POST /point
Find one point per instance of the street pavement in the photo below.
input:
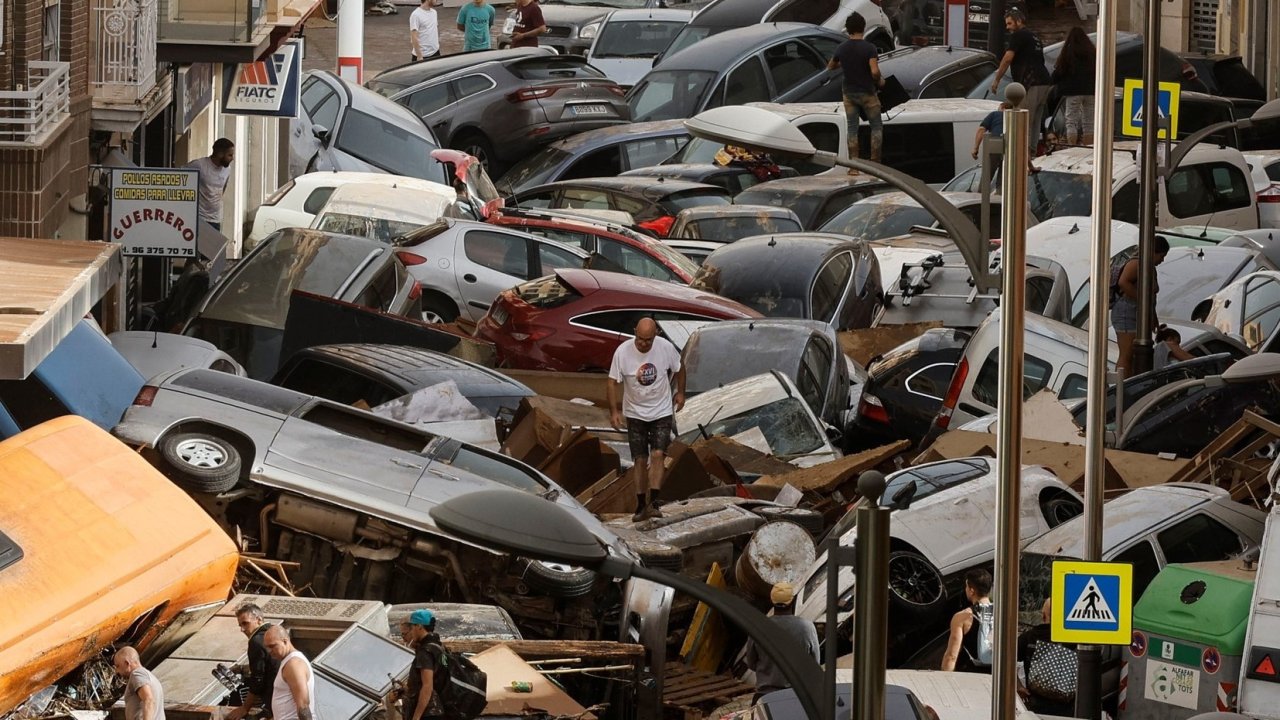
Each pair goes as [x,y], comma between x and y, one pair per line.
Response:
[386,39]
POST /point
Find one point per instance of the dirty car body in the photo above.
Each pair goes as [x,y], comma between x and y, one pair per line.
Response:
[734,222]
[349,493]
[653,204]
[813,198]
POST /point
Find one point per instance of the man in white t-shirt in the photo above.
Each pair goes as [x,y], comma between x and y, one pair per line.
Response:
[424,31]
[645,369]
[214,172]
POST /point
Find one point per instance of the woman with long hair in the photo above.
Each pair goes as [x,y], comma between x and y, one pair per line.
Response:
[1073,76]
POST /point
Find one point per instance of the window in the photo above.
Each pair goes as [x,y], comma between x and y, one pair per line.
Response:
[388,146]
[1035,377]
[601,163]
[828,288]
[824,136]
[815,371]
[30,402]
[429,99]
[923,150]
[1075,386]
[52,30]
[957,84]
[670,95]
[339,384]
[541,199]
[1199,538]
[1145,566]
[790,64]
[1261,311]
[633,261]
[568,237]
[617,321]
[321,104]
[551,258]
[316,200]
[1124,204]
[649,152]
[1207,188]
[585,198]
[931,381]
[746,83]
[507,254]
[366,427]
[974,213]
[826,47]
[382,290]
[639,209]
[472,84]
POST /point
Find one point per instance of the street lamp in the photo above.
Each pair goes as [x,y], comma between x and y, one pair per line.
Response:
[530,526]
[1267,113]
[758,129]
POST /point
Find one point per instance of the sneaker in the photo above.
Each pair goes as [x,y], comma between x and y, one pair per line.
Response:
[648,512]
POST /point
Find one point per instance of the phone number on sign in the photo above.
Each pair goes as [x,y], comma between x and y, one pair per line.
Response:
[146,250]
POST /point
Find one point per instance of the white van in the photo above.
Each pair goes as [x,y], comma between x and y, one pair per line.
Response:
[1055,357]
[383,213]
[1212,185]
[927,139]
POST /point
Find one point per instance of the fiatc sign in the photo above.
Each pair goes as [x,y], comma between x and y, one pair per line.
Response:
[154,211]
[266,87]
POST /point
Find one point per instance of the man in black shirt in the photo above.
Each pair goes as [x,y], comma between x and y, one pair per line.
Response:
[261,670]
[420,698]
[860,61]
[1025,56]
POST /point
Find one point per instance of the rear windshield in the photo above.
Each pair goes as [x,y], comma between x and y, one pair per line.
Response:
[635,39]
[386,145]
[1058,194]
[373,228]
[555,68]
[876,221]
[546,292]
[728,229]
[696,198]
[669,94]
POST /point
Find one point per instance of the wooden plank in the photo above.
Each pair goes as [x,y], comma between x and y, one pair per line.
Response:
[588,650]
[825,477]
[710,691]
[704,644]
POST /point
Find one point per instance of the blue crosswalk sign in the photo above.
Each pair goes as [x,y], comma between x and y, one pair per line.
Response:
[1167,101]
[1092,599]
[1091,602]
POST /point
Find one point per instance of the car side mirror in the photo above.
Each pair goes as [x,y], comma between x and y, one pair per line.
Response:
[901,500]
[321,133]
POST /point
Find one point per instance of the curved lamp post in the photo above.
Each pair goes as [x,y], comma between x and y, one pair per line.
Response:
[530,526]
[755,128]
[1270,111]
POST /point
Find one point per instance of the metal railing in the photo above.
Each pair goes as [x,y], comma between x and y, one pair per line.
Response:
[124,49]
[27,115]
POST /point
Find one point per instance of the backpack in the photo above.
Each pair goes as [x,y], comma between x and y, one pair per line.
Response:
[984,614]
[461,685]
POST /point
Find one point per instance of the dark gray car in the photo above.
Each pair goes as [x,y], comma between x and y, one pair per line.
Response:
[778,62]
[402,77]
[597,153]
[502,110]
[937,71]
[342,126]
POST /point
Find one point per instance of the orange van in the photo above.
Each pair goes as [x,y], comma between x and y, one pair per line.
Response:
[96,547]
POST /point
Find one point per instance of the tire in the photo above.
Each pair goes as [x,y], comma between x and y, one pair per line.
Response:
[558,580]
[915,585]
[658,555]
[1059,508]
[477,145]
[201,462]
[438,309]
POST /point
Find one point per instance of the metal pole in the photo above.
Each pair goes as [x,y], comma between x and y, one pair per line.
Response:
[1089,671]
[995,29]
[1142,346]
[1009,434]
[871,617]
[351,41]
[830,651]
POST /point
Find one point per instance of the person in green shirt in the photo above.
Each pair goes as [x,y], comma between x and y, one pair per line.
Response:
[475,19]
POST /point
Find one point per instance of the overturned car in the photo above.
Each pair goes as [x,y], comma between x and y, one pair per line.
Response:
[347,494]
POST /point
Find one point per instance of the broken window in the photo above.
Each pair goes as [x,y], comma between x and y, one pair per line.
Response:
[1199,538]
[546,293]
[784,423]
[366,427]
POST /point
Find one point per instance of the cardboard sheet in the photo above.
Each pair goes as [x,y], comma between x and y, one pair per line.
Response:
[503,666]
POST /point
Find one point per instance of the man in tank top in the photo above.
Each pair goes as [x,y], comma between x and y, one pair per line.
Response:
[294,690]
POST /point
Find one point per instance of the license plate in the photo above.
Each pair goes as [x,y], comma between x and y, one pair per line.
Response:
[499,315]
[979,18]
[509,26]
[593,109]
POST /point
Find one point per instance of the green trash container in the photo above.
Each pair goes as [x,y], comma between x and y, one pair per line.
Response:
[1188,639]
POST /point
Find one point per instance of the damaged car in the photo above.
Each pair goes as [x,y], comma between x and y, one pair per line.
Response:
[347,494]
[733,222]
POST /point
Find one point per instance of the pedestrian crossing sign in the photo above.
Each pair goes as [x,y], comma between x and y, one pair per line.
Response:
[1167,101]
[1092,603]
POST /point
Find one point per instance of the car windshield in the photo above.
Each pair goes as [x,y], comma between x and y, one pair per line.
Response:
[785,424]
[373,228]
[688,36]
[728,229]
[697,151]
[1058,194]
[635,38]
[669,95]
[878,220]
[386,145]
[535,169]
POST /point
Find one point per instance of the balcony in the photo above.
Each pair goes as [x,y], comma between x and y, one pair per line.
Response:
[228,31]
[37,111]
[123,33]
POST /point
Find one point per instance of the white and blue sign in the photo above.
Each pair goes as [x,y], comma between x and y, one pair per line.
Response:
[1092,603]
[269,86]
[1094,599]
[1167,101]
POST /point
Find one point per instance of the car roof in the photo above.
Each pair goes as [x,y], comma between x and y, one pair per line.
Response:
[913,63]
[680,171]
[715,53]
[368,101]
[1079,160]
[646,290]
[641,185]
[343,177]
[600,137]
[1127,517]
[733,13]
[391,202]
[703,212]
[657,13]
[743,261]
[415,364]
[413,73]
[897,197]
[804,184]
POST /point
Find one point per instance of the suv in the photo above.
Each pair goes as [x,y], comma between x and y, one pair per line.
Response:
[572,25]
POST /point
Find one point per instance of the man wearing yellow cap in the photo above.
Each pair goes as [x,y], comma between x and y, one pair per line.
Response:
[768,676]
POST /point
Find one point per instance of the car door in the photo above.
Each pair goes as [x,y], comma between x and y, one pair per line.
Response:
[747,82]
[647,152]
[330,451]
[434,103]
[321,105]
[548,198]
[826,85]
[549,257]
[829,296]
[796,70]
[633,260]
[1212,192]
[490,261]
[817,381]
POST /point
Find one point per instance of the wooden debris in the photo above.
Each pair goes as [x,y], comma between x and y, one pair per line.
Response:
[690,692]
[1231,461]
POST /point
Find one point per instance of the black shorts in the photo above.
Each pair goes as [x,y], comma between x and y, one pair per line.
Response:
[645,436]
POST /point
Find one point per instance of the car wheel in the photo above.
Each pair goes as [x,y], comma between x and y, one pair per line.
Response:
[478,146]
[559,580]
[438,309]
[201,462]
[915,585]
[1059,508]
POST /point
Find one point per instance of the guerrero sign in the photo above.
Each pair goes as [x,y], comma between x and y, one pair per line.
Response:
[153,211]
[266,87]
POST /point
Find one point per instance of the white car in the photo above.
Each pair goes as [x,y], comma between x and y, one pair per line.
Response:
[296,203]
[383,213]
[946,528]
[629,40]
[1265,167]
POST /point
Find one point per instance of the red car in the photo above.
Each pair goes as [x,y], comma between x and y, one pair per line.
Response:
[572,321]
[637,254]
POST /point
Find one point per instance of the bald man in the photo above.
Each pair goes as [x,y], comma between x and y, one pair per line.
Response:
[143,696]
[645,368]
[294,690]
